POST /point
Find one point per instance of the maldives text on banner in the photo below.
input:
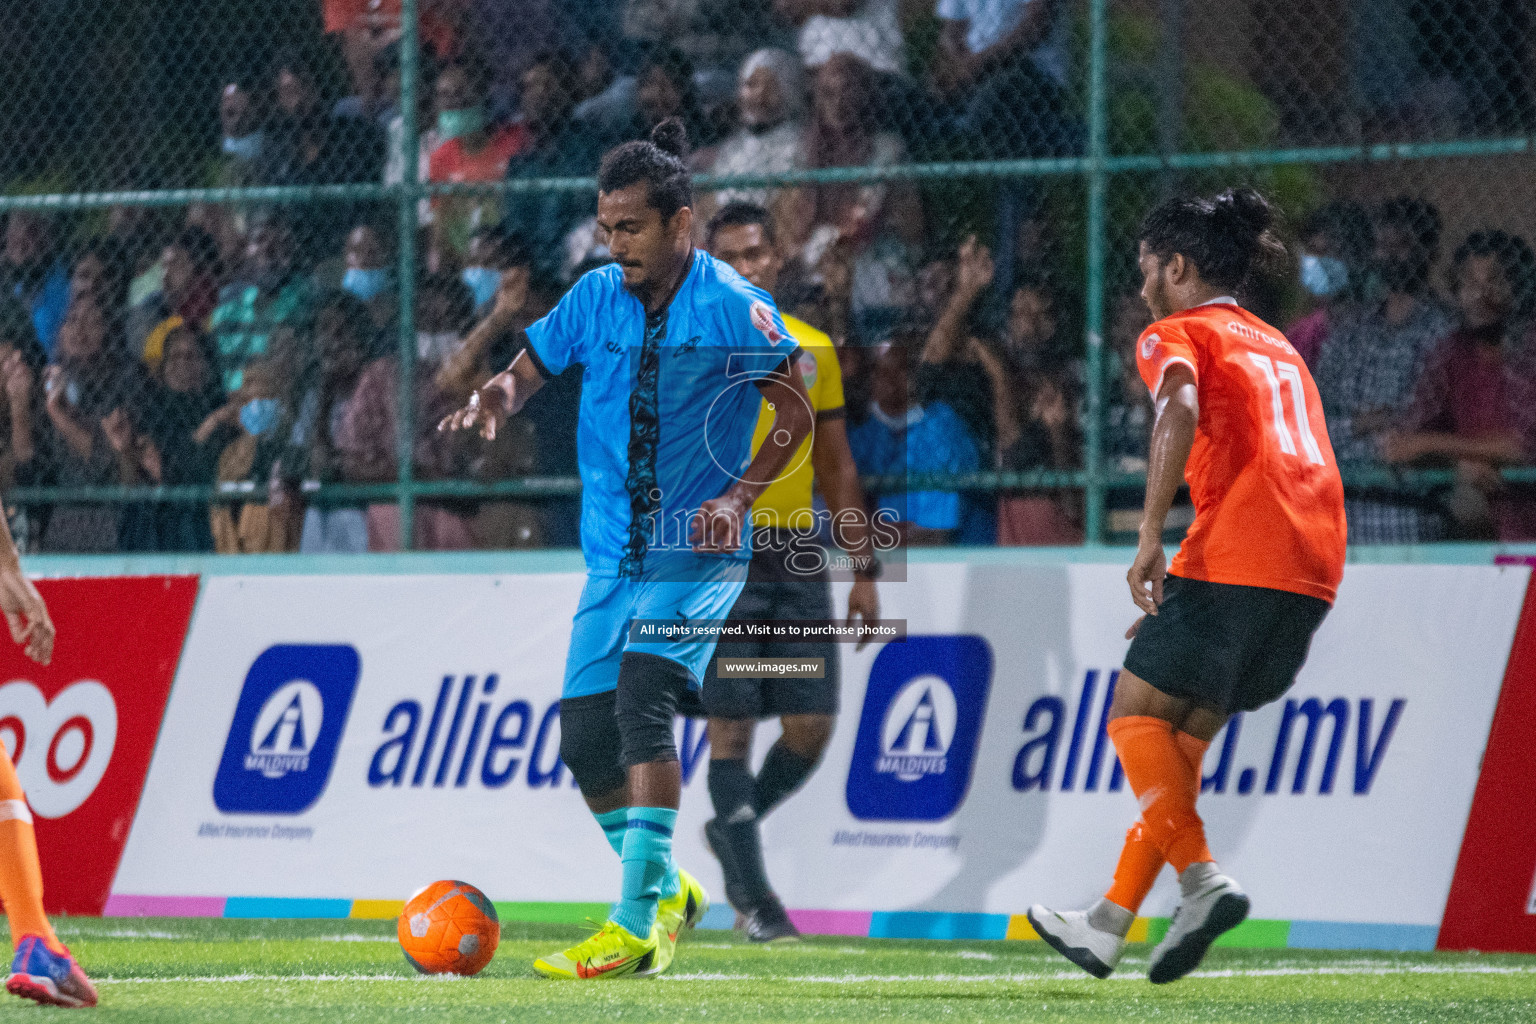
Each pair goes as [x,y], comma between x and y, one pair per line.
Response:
[349,738]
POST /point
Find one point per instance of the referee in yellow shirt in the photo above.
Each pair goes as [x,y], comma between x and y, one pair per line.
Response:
[777,589]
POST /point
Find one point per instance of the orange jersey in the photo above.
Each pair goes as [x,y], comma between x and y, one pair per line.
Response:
[1269,504]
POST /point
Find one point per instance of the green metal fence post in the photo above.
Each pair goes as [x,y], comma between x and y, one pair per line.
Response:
[1098,152]
[410,195]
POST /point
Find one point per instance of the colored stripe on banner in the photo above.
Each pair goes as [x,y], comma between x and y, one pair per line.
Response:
[921,925]
[553,913]
[266,906]
[832,922]
[376,910]
[1019,929]
[903,924]
[163,906]
[1405,938]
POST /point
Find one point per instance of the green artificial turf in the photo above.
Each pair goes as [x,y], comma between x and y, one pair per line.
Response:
[224,972]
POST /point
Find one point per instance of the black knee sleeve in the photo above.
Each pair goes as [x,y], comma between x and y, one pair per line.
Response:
[650,689]
[589,743]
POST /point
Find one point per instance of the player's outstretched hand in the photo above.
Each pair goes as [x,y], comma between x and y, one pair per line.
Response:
[26,614]
[863,604]
[1146,576]
[486,407]
[717,529]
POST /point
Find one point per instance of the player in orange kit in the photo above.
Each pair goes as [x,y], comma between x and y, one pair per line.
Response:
[42,969]
[1228,625]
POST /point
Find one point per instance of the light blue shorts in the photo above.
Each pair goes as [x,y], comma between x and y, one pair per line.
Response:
[706,591]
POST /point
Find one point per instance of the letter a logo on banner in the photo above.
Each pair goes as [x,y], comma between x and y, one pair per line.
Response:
[919,729]
[287,726]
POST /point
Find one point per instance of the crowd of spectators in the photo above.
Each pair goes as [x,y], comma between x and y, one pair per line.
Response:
[256,348]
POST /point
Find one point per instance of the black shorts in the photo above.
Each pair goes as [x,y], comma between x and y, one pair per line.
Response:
[774,591]
[1222,646]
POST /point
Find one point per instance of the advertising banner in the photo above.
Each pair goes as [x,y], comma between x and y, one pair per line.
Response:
[343,739]
[81,730]
[1492,904]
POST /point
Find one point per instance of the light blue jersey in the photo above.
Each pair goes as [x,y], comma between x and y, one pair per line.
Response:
[668,405]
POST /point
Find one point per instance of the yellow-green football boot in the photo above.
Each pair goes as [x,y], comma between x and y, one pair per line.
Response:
[612,953]
[682,912]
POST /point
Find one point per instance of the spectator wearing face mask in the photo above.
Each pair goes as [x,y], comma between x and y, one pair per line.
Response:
[187,295]
[472,148]
[492,254]
[771,100]
[370,270]
[33,274]
[1333,271]
[269,296]
[1475,406]
[242,116]
[251,432]
[1371,363]
[367,432]
[539,440]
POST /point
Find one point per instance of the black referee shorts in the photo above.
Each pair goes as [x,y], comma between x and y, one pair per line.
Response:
[1222,646]
[775,592]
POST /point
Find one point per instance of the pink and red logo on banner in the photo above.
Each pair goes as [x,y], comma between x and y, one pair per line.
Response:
[81,731]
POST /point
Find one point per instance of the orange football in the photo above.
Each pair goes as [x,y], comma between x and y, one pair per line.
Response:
[449,928]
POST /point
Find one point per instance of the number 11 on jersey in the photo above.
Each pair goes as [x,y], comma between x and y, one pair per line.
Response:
[1274,372]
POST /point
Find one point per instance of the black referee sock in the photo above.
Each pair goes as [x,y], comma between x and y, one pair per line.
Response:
[734,833]
[784,771]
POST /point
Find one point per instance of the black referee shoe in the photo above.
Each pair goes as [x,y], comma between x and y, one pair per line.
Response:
[768,922]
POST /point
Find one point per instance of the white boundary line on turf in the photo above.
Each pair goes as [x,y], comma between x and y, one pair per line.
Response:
[1271,972]
[846,979]
[87,935]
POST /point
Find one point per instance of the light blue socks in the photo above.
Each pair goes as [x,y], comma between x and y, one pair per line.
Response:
[649,874]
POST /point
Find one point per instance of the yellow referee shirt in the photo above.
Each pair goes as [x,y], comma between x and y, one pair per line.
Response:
[791,492]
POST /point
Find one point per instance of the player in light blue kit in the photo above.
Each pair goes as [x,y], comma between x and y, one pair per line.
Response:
[678,354]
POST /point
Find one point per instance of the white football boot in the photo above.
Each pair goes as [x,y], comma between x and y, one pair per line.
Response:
[1069,933]
[1212,904]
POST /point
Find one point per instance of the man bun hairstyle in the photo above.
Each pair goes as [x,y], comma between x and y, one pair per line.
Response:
[671,137]
[1228,237]
[659,161]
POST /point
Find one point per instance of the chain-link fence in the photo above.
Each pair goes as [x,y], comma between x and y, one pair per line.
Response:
[247,246]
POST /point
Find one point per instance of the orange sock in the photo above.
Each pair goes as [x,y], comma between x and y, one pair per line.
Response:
[1193,750]
[1140,862]
[1140,859]
[21,876]
[1166,786]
